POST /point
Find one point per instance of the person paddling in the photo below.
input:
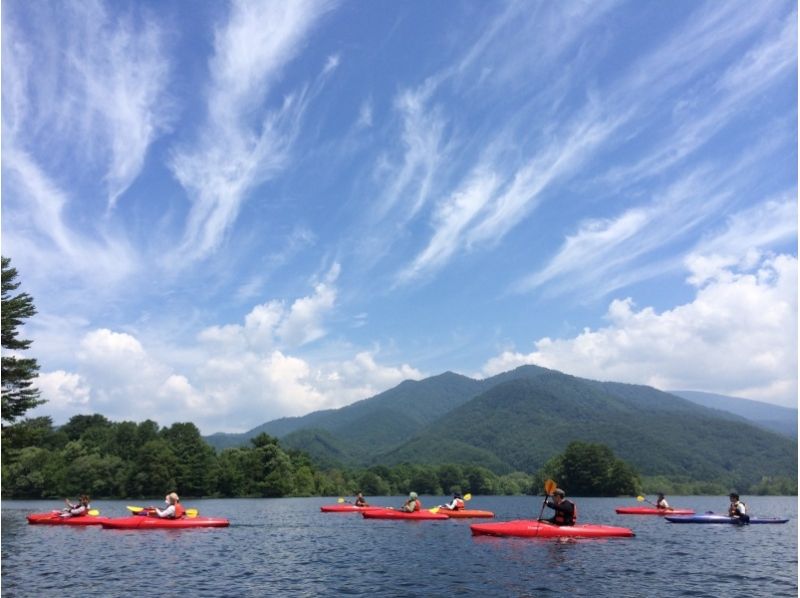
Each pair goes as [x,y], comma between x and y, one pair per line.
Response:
[738,509]
[77,510]
[566,513]
[661,502]
[412,504]
[174,508]
[456,504]
[361,501]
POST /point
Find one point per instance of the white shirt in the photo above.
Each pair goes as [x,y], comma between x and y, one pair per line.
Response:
[168,512]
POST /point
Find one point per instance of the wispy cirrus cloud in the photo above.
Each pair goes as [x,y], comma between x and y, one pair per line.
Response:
[244,142]
[43,235]
[95,93]
[609,117]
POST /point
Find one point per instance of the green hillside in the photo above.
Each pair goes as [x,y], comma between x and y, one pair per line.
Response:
[522,423]
[374,424]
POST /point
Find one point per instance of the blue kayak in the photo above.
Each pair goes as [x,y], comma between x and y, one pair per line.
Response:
[712,518]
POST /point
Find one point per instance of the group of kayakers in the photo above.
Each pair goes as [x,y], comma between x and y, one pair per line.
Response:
[173,509]
[566,511]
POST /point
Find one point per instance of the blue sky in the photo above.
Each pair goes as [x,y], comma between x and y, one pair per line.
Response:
[232,212]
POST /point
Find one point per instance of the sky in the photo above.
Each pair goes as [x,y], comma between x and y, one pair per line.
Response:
[231,212]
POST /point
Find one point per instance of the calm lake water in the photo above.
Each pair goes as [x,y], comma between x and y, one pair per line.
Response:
[287,546]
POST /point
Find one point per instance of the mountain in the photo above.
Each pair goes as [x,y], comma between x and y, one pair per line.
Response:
[522,423]
[372,424]
[518,420]
[771,417]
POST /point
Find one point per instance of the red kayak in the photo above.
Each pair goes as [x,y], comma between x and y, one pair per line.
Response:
[396,514]
[346,509]
[139,522]
[652,511]
[54,518]
[525,528]
[465,513]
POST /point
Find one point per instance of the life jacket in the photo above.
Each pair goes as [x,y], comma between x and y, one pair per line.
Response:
[417,505]
[82,513]
[180,512]
[562,518]
[733,510]
[459,504]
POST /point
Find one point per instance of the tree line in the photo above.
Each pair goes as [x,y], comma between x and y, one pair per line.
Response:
[105,459]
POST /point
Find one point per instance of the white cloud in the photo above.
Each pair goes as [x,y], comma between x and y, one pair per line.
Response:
[93,95]
[243,143]
[737,337]
[67,394]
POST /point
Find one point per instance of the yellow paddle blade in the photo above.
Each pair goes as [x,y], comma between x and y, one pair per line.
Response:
[640,498]
[135,509]
[192,513]
[340,500]
[434,509]
[549,486]
[467,496]
[93,512]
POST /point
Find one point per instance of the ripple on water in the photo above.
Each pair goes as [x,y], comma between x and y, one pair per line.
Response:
[286,546]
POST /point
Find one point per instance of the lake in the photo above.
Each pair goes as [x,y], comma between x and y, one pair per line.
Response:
[288,547]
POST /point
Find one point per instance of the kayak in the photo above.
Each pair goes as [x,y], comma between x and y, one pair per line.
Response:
[54,518]
[346,508]
[527,528]
[140,522]
[465,513]
[712,518]
[652,511]
[396,514]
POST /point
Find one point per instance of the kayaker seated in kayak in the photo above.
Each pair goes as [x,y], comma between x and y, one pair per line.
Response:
[412,504]
[737,508]
[661,502]
[456,504]
[174,508]
[77,510]
[566,511]
[360,501]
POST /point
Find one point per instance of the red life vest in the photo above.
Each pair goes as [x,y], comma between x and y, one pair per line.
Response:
[180,512]
[459,504]
[417,505]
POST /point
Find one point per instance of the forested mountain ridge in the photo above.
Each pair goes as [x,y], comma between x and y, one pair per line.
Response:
[518,420]
[523,423]
[388,418]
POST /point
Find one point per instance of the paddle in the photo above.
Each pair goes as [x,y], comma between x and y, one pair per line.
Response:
[340,500]
[643,499]
[549,488]
[466,497]
[190,513]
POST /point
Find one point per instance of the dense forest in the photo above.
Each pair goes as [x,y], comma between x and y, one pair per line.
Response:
[105,459]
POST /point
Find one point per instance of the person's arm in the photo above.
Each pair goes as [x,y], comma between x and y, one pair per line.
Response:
[168,512]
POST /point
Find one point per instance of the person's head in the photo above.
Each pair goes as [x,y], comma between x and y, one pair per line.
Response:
[172,498]
[412,496]
[733,496]
[457,495]
[559,494]
[660,496]
[84,499]
[359,495]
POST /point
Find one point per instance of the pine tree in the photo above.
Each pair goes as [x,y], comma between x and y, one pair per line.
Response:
[18,393]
